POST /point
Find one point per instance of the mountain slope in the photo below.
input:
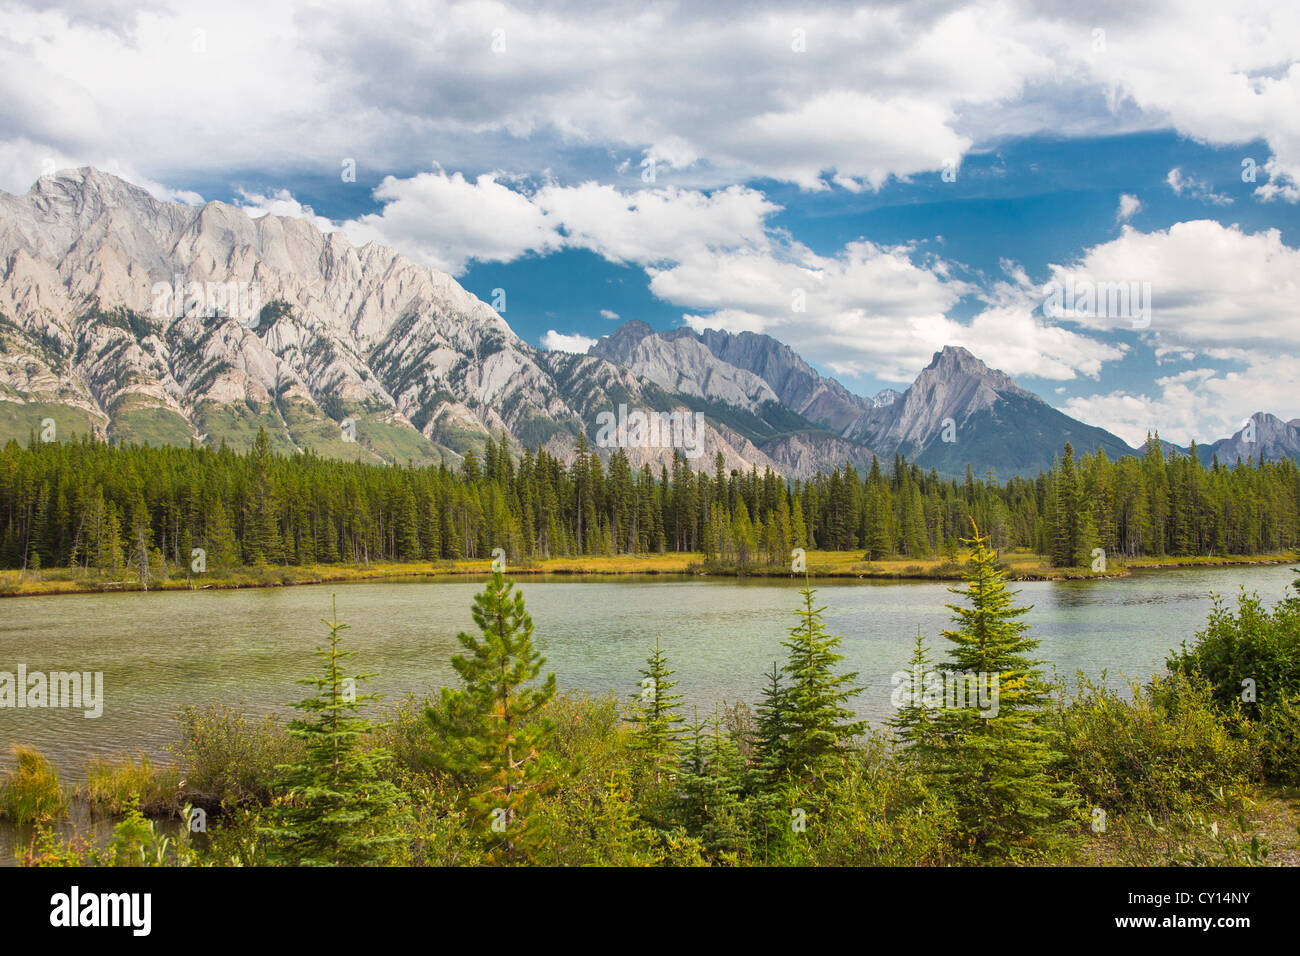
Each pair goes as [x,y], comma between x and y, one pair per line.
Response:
[959,412]
[1263,437]
[332,348]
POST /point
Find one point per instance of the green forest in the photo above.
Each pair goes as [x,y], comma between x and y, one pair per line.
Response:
[144,510]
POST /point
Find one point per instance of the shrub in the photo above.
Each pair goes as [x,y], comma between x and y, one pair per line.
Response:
[1251,657]
[227,758]
[878,813]
[114,784]
[1280,740]
[30,793]
[1164,751]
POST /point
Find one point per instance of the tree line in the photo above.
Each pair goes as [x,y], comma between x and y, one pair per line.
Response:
[144,511]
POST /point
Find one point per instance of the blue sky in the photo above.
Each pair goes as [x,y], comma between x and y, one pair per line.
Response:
[910,176]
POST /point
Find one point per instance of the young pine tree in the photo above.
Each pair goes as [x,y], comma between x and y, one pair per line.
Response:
[658,732]
[335,809]
[806,727]
[712,774]
[913,721]
[491,733]
[994,759]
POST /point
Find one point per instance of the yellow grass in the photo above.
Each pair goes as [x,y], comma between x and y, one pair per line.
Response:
[1023,565]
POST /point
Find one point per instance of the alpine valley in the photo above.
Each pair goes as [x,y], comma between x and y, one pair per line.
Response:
[361,352]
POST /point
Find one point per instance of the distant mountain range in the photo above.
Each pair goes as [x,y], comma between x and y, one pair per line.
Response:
[141,320]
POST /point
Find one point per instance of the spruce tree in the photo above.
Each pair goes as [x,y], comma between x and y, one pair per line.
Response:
[913,721]
[806,727]
[335,810]
[492,733]
[658,732]
[993,760]
[712,775]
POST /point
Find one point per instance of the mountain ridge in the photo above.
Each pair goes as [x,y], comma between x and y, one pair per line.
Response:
[360,352]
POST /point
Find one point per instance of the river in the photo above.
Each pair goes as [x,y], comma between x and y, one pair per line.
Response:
[160,651]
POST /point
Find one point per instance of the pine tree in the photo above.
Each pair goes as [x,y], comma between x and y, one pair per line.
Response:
[807,727]
[658,733]
[712,776]
[492,732]
[913,721]
[336,810]
[993,759]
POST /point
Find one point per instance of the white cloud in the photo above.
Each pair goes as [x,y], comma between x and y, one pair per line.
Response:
[282,203]
[1196,188]
[609,314]
[1212,286]
[713,95]
[872,310]
[1129,206]
[559,342]
[446,221]
[1201,404]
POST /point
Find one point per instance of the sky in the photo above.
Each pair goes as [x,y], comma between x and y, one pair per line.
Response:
[1104,203]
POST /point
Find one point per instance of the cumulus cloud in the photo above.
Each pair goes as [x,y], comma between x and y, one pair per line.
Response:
[873,310]
[447,221]
[1200,404]
[560,342]
[1129,206]
[1211,286]
[713,95]
[609,314]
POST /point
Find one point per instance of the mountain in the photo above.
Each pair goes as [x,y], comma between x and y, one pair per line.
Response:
[796,384]
[1263,437]
[147,321]
[959,411]
[140,320]
[995,424]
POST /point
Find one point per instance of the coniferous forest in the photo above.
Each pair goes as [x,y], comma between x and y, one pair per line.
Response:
[103,509]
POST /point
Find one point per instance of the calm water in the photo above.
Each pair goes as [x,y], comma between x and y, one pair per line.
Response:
[159,651]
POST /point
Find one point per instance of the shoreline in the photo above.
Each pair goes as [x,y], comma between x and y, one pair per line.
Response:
[822,565]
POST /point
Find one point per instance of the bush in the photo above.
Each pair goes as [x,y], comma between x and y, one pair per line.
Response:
[1280,740]
[878,813]
[30,793]
[1251,657]
[114,785]
[1165,751]
[226,758]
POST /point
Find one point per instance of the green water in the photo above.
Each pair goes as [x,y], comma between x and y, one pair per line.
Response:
[159,651]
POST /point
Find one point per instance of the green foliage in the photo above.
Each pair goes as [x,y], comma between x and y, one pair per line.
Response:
[492,732]
[30,792]
[272,505]
[334,809]
[879,812]
[115,784]
[656,716]
[805,724]
[1201,838]
[1160,751]
[993,761]
[711,778]
[227,758]
[1251,656]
